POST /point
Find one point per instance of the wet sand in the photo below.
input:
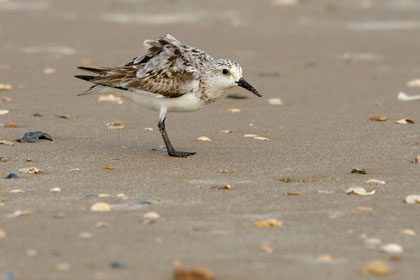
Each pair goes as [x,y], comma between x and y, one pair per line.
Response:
[333,66]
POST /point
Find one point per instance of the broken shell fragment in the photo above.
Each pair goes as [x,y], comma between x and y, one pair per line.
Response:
[4,87]
[408,231]
[359,191]
[378,118]
[412,199]
[31,171]
[49,71]
[326,191]
[100,207]
[392,248]
[324,258]
[8,143]
[364,208]
[234,110]
[294,193]
[405,97]
[199,273]
[414,83]
[377,268]
[204,138]
[16,191]
[148,129]
[266,249]
[405,121]
[225,187]
[275,101]
[151,215]
[4,112]
[261,138]
[268,223]
[226,131]
[10,125]
[375,182]
[115,125]
[2,234]
[5,99]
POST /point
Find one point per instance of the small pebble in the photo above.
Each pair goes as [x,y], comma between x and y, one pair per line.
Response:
[2,234]
[62,116]
[33,137]
[55,190]
[148,129]
[234,110]
[3,159]
[417,159]
[91,195]
[144,202]
[37,115]
[226,131]
[12,176]
[102,195]
[9,275]
[117,264]
[358,171]
[108,167]
[4,112]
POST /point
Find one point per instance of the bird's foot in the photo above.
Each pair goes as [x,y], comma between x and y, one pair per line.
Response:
[180,154]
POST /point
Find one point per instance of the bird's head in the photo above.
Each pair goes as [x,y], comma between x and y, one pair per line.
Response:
[228,74]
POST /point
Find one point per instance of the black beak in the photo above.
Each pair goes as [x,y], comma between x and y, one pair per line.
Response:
[245,85]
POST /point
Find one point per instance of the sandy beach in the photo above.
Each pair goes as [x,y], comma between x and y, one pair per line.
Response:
[333,65]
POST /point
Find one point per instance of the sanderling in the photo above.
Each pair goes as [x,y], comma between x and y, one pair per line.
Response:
[169,77]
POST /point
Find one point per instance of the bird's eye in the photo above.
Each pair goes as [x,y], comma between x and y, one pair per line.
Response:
[225,71]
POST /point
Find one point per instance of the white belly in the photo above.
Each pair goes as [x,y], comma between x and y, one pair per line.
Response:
[186,103]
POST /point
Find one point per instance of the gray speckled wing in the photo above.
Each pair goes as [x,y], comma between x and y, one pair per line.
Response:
[167,68]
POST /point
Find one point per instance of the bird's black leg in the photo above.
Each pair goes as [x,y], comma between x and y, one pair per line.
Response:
[169,148]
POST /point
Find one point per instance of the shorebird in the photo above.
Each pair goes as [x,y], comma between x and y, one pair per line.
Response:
[169,77]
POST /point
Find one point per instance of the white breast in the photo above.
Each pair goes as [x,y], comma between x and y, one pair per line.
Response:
[186,103]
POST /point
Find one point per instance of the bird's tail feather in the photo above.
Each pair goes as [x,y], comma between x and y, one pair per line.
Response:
[92,90]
